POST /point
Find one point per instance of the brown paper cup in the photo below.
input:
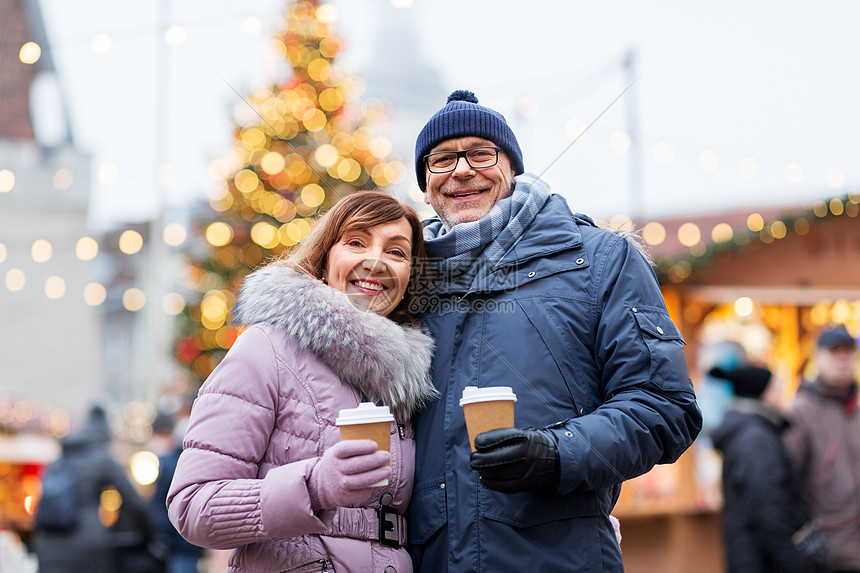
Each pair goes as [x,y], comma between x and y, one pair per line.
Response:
[485,416]
[367,422]
[487,409]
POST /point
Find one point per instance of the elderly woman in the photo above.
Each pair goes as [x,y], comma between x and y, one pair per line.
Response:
[264,470]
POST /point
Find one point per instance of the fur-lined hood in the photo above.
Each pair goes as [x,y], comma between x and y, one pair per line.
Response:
[387,362]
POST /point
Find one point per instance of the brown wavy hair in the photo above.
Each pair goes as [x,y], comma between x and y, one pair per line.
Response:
[361,210]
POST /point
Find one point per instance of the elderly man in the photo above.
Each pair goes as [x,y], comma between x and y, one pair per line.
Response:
[823,441]
[529,295]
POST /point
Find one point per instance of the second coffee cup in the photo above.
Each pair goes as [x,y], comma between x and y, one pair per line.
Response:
[487,409]
[367,422]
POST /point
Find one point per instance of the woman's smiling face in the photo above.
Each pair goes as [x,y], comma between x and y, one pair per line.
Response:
[372,265]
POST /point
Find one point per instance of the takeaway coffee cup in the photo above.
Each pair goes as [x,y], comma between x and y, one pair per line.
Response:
[487,409]
[367,422]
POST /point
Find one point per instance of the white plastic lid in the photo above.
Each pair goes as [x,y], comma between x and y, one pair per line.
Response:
[472,394]
[365,413]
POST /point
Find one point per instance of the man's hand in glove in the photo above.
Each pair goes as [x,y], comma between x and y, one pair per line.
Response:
[511,460]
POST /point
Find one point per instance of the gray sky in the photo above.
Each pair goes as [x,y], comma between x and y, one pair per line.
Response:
[772,84]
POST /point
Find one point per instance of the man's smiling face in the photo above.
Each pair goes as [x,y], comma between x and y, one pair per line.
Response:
[467,194]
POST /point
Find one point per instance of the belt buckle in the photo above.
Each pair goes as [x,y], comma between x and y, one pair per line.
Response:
[388,533]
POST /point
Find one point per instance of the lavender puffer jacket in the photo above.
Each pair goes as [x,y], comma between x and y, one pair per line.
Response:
[266,414]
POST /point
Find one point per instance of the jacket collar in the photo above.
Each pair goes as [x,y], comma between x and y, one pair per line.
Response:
[387,362]
[554,229]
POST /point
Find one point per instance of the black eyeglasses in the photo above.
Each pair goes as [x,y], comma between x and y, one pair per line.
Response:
[477,158]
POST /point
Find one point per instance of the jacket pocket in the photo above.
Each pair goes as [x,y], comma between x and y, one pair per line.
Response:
[665,349]
[427,512]
[526,509]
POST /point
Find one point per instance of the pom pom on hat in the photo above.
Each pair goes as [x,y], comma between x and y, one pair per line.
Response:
[463,95]
[748,381]
[462,116]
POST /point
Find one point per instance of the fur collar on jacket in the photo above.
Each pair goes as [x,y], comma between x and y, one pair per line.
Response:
[387,362]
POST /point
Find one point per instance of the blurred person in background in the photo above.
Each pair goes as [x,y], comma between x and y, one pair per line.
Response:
[823,441]
[264,471]
[182,556]
[84,543]
[762,507]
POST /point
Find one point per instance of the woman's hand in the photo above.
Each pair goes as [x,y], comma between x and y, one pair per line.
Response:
[345,473]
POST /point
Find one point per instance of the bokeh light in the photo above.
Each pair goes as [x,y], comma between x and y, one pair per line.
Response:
[94,294]
[755,222]
[55,287]
[689,234]
[743,306]
[130,242]
[63,179]
[654,233]
[144,467]
[41,251]
[174,234]
[30,53]
[7,180]
[133,299]
[173,303]
[86,249]
[835,178]
[219,234]
[15,279]
[722,233]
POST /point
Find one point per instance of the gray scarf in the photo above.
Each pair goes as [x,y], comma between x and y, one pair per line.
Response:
[464,255]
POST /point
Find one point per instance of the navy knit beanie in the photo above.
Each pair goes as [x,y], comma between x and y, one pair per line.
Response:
[463,117]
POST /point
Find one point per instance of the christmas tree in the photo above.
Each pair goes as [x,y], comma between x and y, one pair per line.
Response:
[308,143]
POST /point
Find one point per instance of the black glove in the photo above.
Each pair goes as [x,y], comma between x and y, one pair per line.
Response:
[511,460]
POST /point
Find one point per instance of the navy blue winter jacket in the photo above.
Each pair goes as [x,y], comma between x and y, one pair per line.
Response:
[572,318]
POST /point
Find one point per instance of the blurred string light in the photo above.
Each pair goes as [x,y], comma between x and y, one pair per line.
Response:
[3,252]
[95,294]
[30,53]
[744,306]
[7,180]
[15,280]
[41,251]
[173,303]
[55,287]
[86,249]
[130,242]
[133,299]
[144,467]
[174,234]
[63,179]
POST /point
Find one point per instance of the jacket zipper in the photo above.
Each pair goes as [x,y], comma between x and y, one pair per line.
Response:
[324,565]
[401,431]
